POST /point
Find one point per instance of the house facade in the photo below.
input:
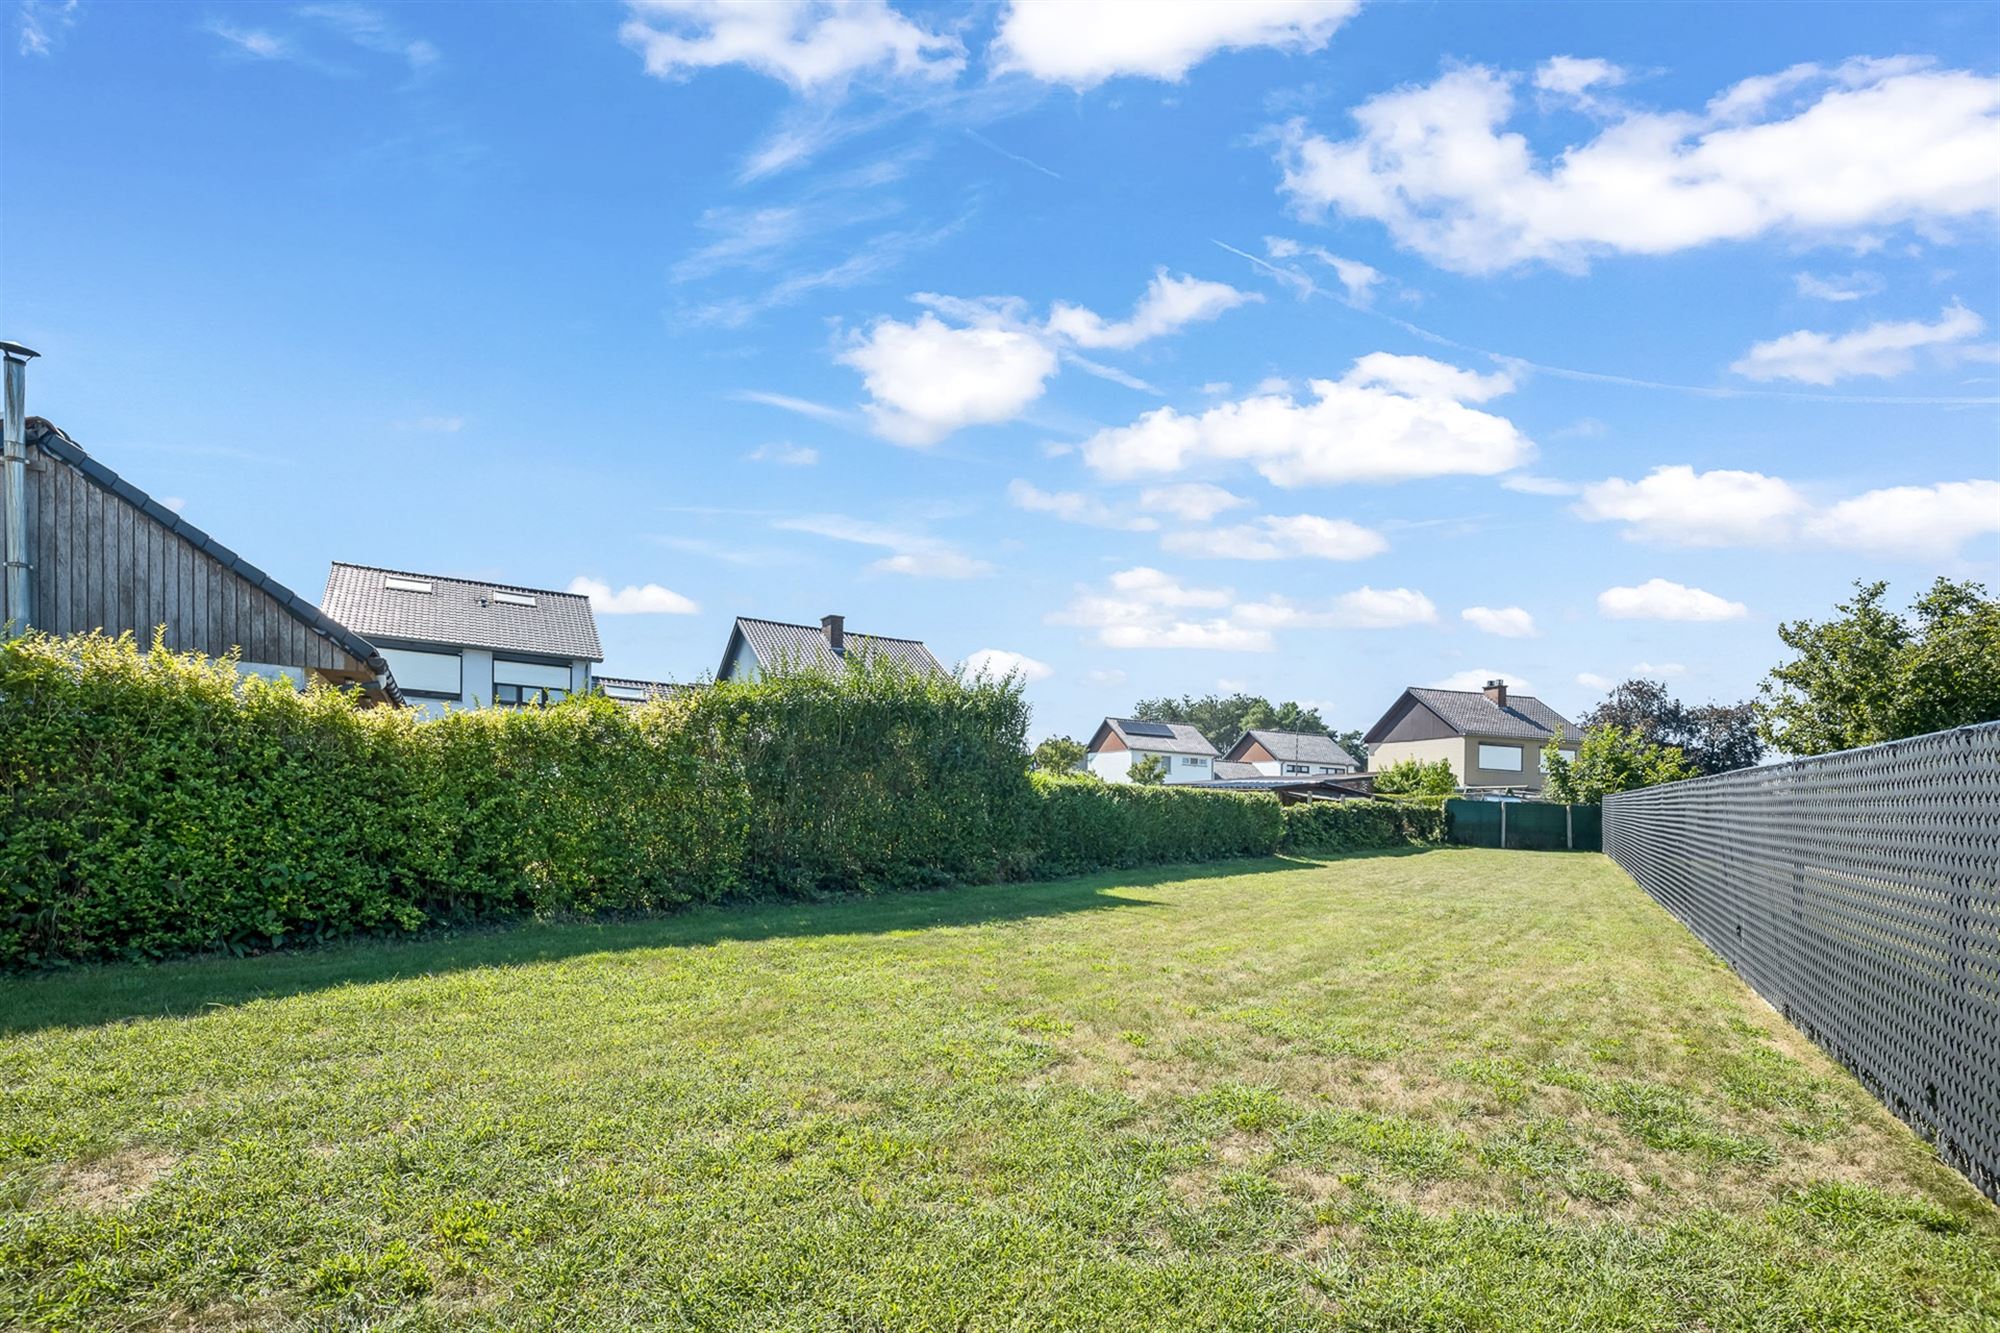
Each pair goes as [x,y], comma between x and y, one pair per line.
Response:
[759,648]
[464,643]
[101,554]
[1121,742]
[1491,738]
[1289,754]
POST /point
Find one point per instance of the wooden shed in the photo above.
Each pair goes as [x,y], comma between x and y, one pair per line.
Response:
[103,554]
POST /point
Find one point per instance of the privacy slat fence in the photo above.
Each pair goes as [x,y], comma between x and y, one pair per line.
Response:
[1860,894]
[1528,826]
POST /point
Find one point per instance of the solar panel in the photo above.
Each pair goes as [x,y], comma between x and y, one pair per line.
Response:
[1148,729]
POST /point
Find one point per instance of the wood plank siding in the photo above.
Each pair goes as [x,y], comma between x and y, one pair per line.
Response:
[105,557]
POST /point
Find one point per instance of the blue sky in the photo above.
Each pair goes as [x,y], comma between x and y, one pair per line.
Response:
[1313,350]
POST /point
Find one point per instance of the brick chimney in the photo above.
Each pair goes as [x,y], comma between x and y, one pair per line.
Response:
[835,629]
[1496,690]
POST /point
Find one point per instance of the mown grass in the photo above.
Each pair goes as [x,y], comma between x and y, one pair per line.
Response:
[1455,1089]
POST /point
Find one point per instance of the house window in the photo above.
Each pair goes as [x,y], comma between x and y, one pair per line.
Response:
[519,696]
[1298,768]
[1506,757]
[396,583]
[1191,762]
[1328,768]
[1569,756]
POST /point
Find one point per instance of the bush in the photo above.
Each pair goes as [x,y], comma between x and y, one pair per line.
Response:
[1082,824]
[154,804]
[1348,826]
[1412,777]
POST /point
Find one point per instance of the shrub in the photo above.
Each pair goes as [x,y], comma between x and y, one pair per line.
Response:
[1347,826]
[1083,824]
[1413,777]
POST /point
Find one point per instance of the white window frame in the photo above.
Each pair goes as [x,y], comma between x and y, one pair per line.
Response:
[1193,761]
[1499,751]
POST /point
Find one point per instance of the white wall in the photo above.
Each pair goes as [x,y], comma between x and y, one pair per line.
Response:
[1111,765]
[1180,771]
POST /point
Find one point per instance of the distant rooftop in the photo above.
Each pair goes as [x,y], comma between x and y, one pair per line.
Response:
[778,643]
[398,604]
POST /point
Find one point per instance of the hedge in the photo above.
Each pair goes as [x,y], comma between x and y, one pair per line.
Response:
[1349,826]
[153,804]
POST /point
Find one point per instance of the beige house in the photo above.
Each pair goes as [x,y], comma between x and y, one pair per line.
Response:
[1492,740]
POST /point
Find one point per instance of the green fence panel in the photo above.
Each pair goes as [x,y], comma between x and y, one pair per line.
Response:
[1472,823]
[1530,826]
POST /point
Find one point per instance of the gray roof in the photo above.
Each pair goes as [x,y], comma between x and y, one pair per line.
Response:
[461,613]
[50,439]
[1226,771]
[629,690]
[1299,747]
[1471,713]
[1181,737]
[779,644]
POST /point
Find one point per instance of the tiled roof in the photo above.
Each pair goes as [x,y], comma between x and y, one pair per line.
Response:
[1471,713]
[51,439]
[462,613]
[627,690]
[1181,737]
[1226,771]
[1301,747]
[778,644]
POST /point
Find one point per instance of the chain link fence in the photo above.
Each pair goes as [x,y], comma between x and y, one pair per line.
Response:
[1860,894]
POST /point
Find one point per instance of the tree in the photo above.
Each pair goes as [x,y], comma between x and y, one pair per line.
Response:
[1351,742]
[1059,754]
[1224,718]
[1610,759]
[1150,771]
[1869,675]
[1411,777]
[1715,738]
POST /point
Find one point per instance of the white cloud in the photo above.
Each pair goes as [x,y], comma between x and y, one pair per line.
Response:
[1658,669]
[999,663]
[929,379]
[1921,521]
[1105,676]
[1169,304]
[809,44]
[1592,681]
[370,30]
[1881,350]
[1391,418]
[1275,537]
[1194,501]
[253,42]
[1474,679]
[914,554]
[1146,608]
[1573,76]
[1509,622]
[785,455]
[1083,44]
[1659,599]
[990,362]
[1358,279]
[1678,506]
[1681,507]
[1837,286]
[174,502]
[44,23]
[648,599]
[1076,507]
[1860,145]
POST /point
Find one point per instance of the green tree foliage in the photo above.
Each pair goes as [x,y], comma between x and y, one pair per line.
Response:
[1869,675]
[1715,738]
[1351,826]
[1059,754]
[1411,777]
[1351,742]
[1223,718]
[1610,759]
[1150,771]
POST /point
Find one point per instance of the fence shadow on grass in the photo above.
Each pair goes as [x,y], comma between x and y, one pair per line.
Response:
[88,996]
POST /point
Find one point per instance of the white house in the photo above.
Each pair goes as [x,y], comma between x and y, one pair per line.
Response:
[1291,754]
[466,642]
[1121,742]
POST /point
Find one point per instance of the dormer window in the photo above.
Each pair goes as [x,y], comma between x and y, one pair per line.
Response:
[397,583]
[513,598]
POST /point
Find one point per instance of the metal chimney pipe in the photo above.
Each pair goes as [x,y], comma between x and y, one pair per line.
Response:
[16,613]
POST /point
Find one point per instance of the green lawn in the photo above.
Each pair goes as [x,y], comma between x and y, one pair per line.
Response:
[1451,1089]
